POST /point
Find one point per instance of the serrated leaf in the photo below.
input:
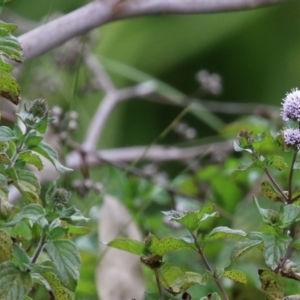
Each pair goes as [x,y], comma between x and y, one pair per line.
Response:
[192,219]
[48,152]
[271,285]
[288,215]
[31,158]
[277,162]
[14,284]
[66,258]
[127,245]
[268,216]
[269,192]
[275,246]
[169,244]
[9,87]
[236,276]
[6,134]
[3,188]
[224,232]
[6,247]
[176,281]
[27,184]
[32,212]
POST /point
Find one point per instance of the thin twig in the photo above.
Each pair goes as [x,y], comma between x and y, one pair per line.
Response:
[160,290]
[291,176]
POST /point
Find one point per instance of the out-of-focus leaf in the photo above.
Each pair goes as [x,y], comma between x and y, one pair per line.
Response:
[236,276]
[6,247]
[271,285]
[288,215]
[6,134]
[128,245]
[223,233]
[3,188]
[269,192]
[14,284]
[268,216]
[275,246]
[9,87]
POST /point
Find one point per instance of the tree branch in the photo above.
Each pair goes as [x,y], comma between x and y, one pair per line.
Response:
[98,12]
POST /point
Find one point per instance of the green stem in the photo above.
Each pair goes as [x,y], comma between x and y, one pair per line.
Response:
[160,290]
[291,176]
[39,249]
[209,267]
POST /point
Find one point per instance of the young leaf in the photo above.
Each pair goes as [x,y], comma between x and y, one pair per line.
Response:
[73,214]
[66,258]
[268,216]
[213,296]
[6,247]
[191,219]
[269,192]
[271,285]
[176,281]
[128,245]
[48,152]
[276,161]
[236,276]
[14,284]
[57,232]
[223,233]
[275,246]
[32,212]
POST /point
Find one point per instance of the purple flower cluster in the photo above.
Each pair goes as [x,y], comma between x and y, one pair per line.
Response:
[291,111]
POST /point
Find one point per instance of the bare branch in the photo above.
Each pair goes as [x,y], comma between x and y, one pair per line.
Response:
[98,12]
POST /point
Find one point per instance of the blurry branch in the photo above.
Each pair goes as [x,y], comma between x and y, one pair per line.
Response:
[153,154]
[98,12]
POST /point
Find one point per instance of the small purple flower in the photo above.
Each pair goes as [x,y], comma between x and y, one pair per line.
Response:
[291,106]
[292,137]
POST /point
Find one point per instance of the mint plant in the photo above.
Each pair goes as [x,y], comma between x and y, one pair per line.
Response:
[278,238]
[35,239]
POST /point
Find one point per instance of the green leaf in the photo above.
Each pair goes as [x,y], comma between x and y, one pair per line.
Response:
[224,232]
[31,158]
[33,141]
[269,192]
[32,212]
[14,284]
[6,247]
[288,215]
[27,184]
[21,256]
[58,232]
[78,230]
[244,167]
[192,219]
[44,275]
[127,245]
[4,159]
[73,214]
[236,276]
[66,258]
[275,246]
[10,46]
[9,87]
[276,161]
[48,152]
[242,248]
[271,285]
[268,216]
[3,188]
[169,244]
[176,281]
[6,134]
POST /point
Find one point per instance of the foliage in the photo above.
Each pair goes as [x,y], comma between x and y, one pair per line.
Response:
[41,225]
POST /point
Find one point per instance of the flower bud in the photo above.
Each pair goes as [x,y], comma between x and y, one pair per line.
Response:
[39,108]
